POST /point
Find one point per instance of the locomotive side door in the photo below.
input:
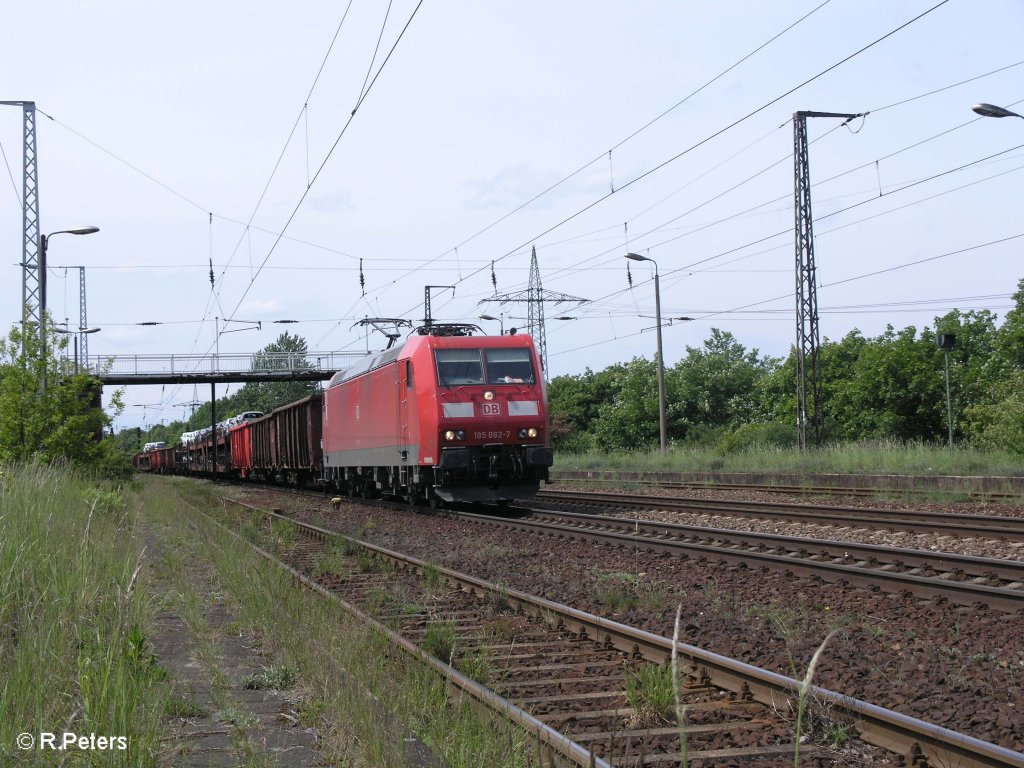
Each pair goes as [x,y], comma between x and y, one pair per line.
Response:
[405,383]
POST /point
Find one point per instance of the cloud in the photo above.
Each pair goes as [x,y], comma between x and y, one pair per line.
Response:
[512,187]
[338,201]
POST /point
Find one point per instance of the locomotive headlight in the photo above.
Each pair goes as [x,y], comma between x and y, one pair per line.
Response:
[531,432]
[522,433]
[460,435]
[488,395]
[449,435]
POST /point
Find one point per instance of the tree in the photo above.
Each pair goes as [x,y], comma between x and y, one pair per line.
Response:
[574,403]
[67,421]
[628,420]
[1009,343]
[716,386]
[999,424]
[287,351]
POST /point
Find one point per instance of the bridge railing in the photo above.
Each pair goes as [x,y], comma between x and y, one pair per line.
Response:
[154,365]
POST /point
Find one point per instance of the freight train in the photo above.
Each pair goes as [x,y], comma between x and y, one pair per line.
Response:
[444,416]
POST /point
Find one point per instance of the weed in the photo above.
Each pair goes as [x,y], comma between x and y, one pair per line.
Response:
[805,689]
[349,547]
[838,733]
[501,628]
[105,501]
[370,562]
[272,678]
[311,711]
[380,600]
[650,693]
[431,576]
[332,559]
[498,601]
[234,628]
[184,706]
[677,685]
[139,654]
[284,534]
[250,530]
[616,591]
[234,715]
[477,666]
[439,640]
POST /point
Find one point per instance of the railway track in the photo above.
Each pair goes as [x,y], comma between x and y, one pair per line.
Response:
[915,521]
[561,673]
[961,579]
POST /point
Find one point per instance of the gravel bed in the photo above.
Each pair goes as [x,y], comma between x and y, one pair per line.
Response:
[959,667]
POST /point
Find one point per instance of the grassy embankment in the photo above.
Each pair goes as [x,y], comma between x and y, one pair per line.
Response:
[73,610]
[324,646]
[882,458]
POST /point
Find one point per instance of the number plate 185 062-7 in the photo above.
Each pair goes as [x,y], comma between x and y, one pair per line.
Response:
[494,435]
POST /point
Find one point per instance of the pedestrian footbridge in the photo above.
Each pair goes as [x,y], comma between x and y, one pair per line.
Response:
[218,368]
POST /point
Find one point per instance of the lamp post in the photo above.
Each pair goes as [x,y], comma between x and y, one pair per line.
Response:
[662,421]
[44,241]
[946,342]
[500,319]
[991,110]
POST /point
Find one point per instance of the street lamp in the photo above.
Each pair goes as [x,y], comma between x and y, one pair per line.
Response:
[44,241]
[991,110]
[76,334]
[663,423]
[500,319]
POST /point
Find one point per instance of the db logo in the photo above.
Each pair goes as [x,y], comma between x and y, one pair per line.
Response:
[491,409]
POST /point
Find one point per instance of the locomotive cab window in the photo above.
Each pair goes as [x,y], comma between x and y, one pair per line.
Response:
[509,366]
[456,367]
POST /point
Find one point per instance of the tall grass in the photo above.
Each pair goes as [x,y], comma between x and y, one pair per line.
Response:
[875,457]
[74,654]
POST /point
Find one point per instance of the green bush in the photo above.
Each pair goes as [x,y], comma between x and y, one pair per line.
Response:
[747,436]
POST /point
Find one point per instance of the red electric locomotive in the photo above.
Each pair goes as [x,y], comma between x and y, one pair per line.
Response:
[440,417]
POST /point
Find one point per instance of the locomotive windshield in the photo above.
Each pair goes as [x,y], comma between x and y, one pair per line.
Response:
[509,366]
[456,367]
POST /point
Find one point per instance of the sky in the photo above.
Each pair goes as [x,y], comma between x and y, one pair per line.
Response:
[229,132]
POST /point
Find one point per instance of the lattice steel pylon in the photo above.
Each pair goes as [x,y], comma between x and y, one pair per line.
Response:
[808,370]
[31,280]
[83,324]
[535,298]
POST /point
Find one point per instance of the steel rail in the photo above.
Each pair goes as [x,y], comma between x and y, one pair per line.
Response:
[986,526]
[961,593]
[881,727]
